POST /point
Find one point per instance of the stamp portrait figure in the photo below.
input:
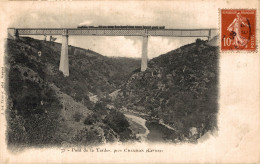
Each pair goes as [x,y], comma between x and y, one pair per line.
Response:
[235,26]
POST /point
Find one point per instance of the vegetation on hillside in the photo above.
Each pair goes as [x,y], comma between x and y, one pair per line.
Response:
[179,88]
[41,102]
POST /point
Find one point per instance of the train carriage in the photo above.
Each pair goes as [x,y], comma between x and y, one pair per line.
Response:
[121,27]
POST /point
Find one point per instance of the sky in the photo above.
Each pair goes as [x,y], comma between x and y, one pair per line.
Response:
[171,14]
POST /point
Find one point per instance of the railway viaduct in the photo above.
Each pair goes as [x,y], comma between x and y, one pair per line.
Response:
[144,33]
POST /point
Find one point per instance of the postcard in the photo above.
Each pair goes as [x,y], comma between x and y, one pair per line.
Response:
[129,81]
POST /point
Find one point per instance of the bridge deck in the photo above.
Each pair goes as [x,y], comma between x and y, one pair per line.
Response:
[116,32]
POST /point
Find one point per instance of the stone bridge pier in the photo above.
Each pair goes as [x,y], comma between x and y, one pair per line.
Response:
[64,57]
[144,53]
[210,34]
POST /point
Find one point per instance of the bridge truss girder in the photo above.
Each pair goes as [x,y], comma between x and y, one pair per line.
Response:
[117,32]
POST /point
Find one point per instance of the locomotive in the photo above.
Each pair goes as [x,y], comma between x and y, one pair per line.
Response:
[121,27]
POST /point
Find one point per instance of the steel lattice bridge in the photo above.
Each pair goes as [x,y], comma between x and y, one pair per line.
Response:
[145,32]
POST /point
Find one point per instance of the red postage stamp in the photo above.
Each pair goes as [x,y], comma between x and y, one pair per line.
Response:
[238,29]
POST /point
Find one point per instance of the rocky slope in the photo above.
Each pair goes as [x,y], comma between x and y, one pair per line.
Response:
[179,88]
[46,108]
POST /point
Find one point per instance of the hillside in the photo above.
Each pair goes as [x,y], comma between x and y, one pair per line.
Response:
[46,108]
[179,89]
[176,96]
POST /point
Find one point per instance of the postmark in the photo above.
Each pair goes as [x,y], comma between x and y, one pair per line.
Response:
[238,30]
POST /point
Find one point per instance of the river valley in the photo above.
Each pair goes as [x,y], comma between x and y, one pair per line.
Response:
[149,131]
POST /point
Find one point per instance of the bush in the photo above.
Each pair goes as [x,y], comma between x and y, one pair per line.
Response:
[77,116]
[90,120]
[16,131]
[116,121]
[198,41]
[25,74]
[119,124]
[87,137]
[44,130]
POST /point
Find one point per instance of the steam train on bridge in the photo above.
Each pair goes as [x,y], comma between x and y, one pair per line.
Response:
[121,27]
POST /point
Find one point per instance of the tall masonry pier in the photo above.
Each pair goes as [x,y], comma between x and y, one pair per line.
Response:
[144,53]
[142,31]
[64,58]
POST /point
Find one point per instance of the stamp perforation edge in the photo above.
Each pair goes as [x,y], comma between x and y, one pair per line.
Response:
[256,32]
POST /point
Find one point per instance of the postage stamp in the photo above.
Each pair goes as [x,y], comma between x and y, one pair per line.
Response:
[238,29]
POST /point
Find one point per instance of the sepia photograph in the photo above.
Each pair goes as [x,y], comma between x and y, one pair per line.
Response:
[111,77]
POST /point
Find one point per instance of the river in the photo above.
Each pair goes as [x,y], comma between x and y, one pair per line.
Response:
[148,131]
[140,133]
